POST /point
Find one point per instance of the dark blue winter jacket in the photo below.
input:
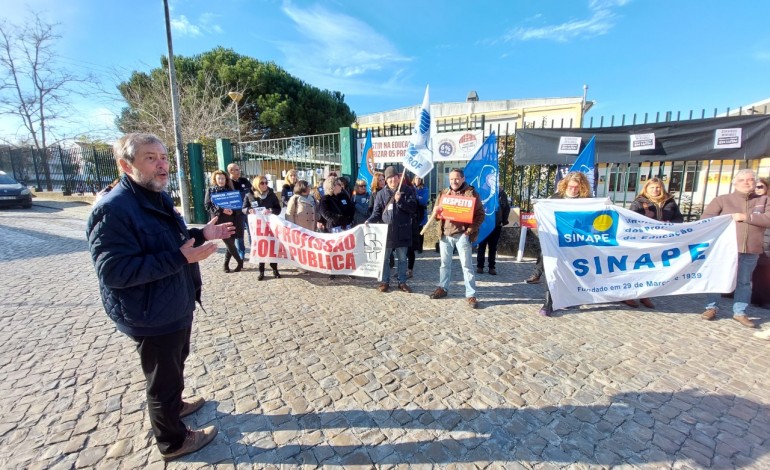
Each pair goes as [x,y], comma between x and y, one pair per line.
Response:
[148,288]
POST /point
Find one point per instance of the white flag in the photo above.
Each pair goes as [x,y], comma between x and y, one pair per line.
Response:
[419,158]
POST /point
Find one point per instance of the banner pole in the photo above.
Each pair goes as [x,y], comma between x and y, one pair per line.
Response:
[522,243]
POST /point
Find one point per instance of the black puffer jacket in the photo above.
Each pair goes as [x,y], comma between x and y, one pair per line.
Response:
[666,212]
[398,215]
[147,286]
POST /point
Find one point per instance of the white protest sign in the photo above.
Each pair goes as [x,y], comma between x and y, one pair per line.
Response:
[728,138]
[569,145]
[642,142]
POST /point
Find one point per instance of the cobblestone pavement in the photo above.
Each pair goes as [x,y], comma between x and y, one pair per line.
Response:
[308,371]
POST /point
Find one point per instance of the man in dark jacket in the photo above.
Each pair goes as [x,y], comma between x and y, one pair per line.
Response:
[147,264]
[751,213]
[490,241]
[243,186]
[395,206]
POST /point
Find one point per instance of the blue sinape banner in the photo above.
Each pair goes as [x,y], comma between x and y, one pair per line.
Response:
[481,173]
[228,199]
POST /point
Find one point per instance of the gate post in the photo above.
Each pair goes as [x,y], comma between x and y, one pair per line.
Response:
[197,182]
[224,153]
[348,154]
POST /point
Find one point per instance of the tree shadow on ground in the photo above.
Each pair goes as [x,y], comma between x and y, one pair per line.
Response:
[715,431]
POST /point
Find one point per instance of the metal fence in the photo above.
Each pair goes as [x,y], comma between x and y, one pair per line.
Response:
[312,156]
[71,171]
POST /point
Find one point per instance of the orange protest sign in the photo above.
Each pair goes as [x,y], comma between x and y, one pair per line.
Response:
[457,208]
[528,220]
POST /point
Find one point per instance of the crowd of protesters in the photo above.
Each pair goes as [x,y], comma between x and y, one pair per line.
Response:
[402,204]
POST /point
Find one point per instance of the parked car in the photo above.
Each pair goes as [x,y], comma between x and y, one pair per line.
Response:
[13,193]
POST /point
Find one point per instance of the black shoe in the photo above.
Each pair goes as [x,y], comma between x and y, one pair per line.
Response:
[493,271]
[261,276]
[239,267]
[276,274]
[480,270]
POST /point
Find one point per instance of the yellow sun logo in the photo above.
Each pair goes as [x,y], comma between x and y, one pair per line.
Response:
[602,223]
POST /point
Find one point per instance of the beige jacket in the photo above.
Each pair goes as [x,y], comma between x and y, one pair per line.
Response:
[751,232]
[301,211]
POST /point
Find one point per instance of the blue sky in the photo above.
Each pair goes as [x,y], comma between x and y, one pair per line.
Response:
[636,56]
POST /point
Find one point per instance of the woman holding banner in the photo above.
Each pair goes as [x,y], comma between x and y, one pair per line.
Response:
[573,186]
[263,197]
[220,183]
[655,203]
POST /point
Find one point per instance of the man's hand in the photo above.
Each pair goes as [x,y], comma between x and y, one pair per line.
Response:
[195,254]
[739,217]
[397,196]
[211,231]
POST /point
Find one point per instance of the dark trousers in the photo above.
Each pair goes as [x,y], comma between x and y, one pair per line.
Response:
[162,360]
[539,268]
[272,265]
[491,242]
[410,256]
[232,252]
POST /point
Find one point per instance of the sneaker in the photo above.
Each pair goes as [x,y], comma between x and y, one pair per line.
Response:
[631,303]
[480,270]
[383,287]
[493,271]
[405,288]
[409,274]
[744,320]
[191,406]
[647,303]
[709,314]
[472,302]
[439,293]
[195,441]
[763,334]
[533,279]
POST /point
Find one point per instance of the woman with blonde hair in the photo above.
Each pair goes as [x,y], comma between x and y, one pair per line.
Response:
[573,186]
[288,188]
[655,203]
[265,197]
[221,182]
[378,182]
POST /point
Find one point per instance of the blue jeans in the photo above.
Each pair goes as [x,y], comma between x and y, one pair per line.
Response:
[746,264]
[239,241]
[465,252]
[400,253]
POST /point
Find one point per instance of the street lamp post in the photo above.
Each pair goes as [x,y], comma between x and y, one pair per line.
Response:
[237,96]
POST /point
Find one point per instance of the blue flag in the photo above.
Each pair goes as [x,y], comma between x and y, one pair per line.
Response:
[481,173]
[585,163]
[366,164]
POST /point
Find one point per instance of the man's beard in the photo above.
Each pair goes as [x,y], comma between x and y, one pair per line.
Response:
[148,181]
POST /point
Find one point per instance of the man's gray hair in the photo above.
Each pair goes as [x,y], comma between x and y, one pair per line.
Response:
[744,172]
[126,146]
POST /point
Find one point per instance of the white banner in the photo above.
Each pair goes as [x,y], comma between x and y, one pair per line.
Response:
[447,146]
[596,252]
[356,252]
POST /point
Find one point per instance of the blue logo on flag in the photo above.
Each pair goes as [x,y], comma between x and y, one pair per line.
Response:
[587,228]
